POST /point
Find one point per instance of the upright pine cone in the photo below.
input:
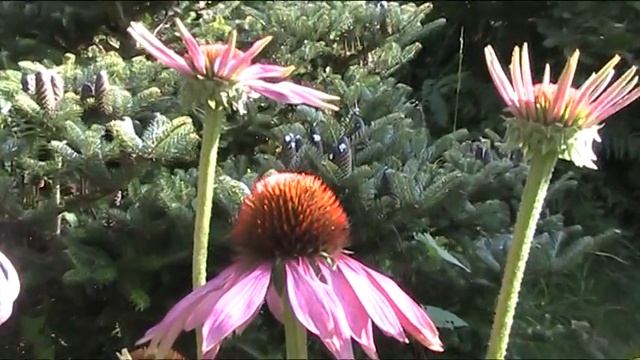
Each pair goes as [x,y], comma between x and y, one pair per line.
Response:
[57,85]
[101,92]
[45,96]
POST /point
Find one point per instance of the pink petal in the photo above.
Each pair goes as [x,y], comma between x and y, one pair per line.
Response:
[315,308]
[262,71]
[157,49]
[413,318]
[246,58]
[236,306]
[274,302]
[11,288]
[516,78]
[223,62]
[527,83]
[499,78]
[559,102]
[193,48]
[164,334]
[376,304]
[290,93]
[607,98]
[616,107]
[211,354]
[359,322]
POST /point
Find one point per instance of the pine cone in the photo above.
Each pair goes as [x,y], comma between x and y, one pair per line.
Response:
[101,92]
[28,83]
[44,91]
[342,155]
[57,85]
[86,92]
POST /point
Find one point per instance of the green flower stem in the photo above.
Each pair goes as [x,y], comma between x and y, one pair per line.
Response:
[212,126]
[535,190]
[295,334]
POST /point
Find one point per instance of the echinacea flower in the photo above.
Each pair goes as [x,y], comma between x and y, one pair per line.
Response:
[292,222]
[569,117]
[9,288]
[226,63]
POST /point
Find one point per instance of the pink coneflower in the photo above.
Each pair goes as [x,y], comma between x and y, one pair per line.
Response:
[226,63]
[295,220]
[9,288]
[561,104]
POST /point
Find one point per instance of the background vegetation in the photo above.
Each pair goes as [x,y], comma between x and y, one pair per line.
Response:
[98,183]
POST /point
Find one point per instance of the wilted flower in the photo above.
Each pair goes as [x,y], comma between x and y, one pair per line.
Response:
[9,288]
[290,234]
[225,63]
[578,113]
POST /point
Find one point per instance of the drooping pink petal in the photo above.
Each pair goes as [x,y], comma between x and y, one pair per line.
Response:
[164,334]
[193,48]
[377,306]
[290,93]
[411,315]
[211,354]
[262,71]
[9,287]
[360,324]
[157,49]
[237,305]
[274,302]
[312,305]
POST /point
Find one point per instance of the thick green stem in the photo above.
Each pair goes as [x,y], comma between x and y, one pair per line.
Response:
[295,334]
[212,126]
[535,190]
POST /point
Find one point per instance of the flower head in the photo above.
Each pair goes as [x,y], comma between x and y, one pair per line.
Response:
[557,115]
[295,220]
[9,288]
[227,64]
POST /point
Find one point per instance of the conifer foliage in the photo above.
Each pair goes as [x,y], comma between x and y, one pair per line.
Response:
[98,177]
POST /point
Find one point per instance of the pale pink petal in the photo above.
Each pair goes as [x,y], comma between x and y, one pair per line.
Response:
[157,49]
[242,61]
[290,93]
[12,287]
[237,305]
[612,92]
[377,306]
[411,315]
[516,78]
[360,325]
[193,48]
[315,309]
[274,302]
[527,82]
[223,62]
[559,101]
[616,107]
[9,288]
[262,71]
[211,354]
[593,95]
[499,77]
[164,334]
